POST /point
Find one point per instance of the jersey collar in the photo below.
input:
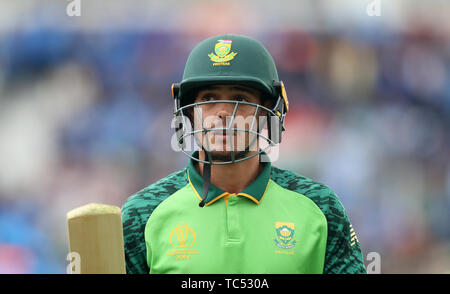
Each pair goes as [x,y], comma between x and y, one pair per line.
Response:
[255,191]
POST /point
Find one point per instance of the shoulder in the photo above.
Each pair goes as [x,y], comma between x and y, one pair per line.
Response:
[322,195]
[142,203]
[343,253]
[135,213]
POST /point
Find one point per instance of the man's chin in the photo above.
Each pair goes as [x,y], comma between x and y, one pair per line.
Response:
[223,156]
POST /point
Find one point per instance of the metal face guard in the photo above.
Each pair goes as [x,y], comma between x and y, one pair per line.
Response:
[272,119]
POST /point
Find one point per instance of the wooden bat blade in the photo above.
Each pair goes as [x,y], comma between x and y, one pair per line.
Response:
[95,233]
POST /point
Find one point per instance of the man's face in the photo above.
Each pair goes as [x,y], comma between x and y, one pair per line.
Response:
[220,115]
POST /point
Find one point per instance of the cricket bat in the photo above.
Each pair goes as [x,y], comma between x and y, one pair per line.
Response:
[96,239]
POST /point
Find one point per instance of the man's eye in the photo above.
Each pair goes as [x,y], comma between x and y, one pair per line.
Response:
[241,98]
[208,98]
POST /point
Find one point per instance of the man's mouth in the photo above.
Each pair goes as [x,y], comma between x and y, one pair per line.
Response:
[223,134]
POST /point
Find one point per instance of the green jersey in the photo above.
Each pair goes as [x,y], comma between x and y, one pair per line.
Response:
[282,223]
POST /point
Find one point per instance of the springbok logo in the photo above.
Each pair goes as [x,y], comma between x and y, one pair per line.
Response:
[223,53]
[285,235]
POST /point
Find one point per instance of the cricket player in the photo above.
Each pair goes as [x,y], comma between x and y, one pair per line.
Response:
[231,211]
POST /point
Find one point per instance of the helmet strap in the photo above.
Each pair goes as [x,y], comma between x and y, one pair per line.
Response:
[206,179]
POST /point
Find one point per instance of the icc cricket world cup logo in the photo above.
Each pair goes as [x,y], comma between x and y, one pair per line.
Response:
[185,236]
[182,238]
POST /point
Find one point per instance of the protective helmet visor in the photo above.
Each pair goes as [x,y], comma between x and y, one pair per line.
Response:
[239,132]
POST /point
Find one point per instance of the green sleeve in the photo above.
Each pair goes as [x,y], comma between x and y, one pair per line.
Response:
[343,254]
[135,214]
[133,220]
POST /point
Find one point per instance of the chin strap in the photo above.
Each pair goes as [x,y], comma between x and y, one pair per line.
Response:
[206,180]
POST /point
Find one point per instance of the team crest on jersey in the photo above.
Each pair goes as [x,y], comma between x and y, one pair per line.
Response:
[223,53]
[182,239]
[285,235]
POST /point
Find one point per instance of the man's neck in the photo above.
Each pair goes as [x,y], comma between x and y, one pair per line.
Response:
[232,178]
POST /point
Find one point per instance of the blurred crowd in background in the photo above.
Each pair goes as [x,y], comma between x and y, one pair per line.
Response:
[86,113]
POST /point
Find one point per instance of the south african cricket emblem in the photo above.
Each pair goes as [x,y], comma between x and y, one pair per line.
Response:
[285,235]
[223,53]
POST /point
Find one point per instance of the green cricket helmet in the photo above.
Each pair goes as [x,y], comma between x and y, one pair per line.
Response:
[230,59]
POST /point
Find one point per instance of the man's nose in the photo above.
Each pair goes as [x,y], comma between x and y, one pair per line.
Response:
[225,110]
